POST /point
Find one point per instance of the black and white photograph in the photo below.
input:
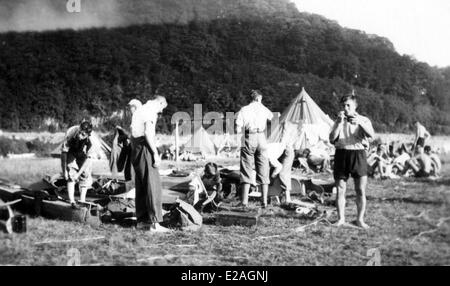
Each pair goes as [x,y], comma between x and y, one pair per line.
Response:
[226,133]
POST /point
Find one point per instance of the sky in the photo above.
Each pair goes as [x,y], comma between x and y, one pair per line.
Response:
[419,28]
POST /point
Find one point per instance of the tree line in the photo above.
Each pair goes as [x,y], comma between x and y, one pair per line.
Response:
[67,75]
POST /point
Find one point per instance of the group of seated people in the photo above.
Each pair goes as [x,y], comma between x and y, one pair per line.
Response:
[167,153]
[387,162]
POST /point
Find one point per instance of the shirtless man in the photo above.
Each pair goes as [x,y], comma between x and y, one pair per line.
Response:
[435,160]
[422,135]
[421,164]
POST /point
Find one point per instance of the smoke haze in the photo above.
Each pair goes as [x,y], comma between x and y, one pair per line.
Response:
[42,15]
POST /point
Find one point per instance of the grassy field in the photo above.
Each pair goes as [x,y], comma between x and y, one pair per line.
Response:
[398,211]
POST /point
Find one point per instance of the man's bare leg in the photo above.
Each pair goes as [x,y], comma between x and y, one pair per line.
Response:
[83,192]
[341,186]
[244,195]
[381,168]
[288,196]
[360,189]
[71,191]
[265,192]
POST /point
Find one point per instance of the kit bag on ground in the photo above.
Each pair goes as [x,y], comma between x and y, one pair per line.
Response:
[182,216]
[117,208]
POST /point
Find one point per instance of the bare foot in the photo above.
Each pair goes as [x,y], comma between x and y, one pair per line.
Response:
[361,224]
[339,222]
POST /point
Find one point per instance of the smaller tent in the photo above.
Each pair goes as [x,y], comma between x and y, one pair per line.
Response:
[101,150]
[200,142]
[226,142]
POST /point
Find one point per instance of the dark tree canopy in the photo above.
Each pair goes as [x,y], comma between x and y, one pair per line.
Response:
[66,75]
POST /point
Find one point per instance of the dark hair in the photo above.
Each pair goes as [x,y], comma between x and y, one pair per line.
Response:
[212,167]
[86,126]
[348,97]
[427,148]
[306,151]
[254,93]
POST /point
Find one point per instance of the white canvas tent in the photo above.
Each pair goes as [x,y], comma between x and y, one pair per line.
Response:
[101,150]
[200,142]
[313,125]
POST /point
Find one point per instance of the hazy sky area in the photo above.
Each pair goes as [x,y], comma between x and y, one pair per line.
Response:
[420,28]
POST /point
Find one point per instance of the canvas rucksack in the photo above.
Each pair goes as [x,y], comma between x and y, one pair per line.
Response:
[182,216]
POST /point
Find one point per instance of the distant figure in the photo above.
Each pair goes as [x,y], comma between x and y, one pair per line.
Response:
[422,135]
[399,162]
[167,155]
[420,164]
[435,161]
[146,161]
[380,162]
[76,155]
[251,121]
[349,134]
[318,159]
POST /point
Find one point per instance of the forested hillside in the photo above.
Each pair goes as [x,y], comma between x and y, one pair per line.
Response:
[65,75]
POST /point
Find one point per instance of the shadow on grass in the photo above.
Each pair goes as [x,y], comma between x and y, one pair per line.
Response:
[409,201]
[402,200]
[443,181]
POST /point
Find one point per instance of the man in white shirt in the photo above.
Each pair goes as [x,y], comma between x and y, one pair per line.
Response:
[251,121]
[350,134]
[146,160]
[422,135]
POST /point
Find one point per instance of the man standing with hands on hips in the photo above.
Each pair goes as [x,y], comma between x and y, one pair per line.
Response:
[350,134]
[251,121]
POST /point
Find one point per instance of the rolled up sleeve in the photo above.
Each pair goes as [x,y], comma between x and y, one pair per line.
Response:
[239,121]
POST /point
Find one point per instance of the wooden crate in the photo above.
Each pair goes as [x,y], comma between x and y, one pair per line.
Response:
[228,218]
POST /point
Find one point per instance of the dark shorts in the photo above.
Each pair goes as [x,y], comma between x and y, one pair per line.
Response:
[421,141]
[350,163]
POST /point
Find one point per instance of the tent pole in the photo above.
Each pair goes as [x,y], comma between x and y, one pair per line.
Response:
[177,149]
